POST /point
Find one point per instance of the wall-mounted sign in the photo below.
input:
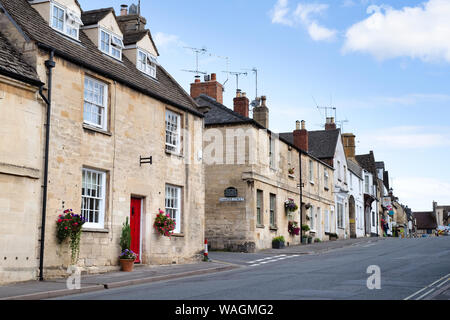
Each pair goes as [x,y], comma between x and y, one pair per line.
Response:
[231,199]
[387,202]
[231,192]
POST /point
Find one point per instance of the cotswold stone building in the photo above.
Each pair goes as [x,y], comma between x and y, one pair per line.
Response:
[125,141]
[250,173]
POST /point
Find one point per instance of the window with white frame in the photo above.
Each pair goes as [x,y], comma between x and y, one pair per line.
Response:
[345,174]
[146,63]
[340,215]
[351,181]
[95,103]
[339,170]
[325,177]
[93,198]
[271,152]
[173,205]
[65,20]
[312,218]
[173,132]
[311,171]
[366,182]
[111,44]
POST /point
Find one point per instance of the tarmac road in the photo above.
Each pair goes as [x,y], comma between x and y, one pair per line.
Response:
[409,269]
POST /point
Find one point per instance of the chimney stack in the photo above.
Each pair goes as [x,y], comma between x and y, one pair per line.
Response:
[301,139]
[241,103]
[211,88]
[261,113]
[123,10]
[348,140]
[330,125]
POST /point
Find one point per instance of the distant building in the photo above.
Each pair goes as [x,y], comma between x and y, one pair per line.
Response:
[425,222]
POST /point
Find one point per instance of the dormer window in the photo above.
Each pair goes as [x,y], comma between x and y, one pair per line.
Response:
[111,44]
[65,21]
[146,63]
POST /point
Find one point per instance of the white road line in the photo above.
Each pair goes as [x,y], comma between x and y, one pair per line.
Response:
[430,285]
[440,285]
[425,294]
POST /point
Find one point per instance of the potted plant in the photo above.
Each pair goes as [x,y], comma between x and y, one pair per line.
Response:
[293,228]
[305,228]
[291,171]
[317,240]
[310,239]
[164,224]
[290,206]
[69,225]
[278,242]
[127,257]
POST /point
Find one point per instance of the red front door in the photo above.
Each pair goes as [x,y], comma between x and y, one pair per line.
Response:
[135,226]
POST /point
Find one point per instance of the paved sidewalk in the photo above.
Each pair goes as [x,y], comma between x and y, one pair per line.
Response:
[37,290]
[321,247]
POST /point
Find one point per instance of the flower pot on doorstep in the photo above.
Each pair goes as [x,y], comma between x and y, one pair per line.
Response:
[304,240]
[127,265]
[277,245]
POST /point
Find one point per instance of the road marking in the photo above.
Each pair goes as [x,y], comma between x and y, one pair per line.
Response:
[425,294]
[443,283]
[427,287]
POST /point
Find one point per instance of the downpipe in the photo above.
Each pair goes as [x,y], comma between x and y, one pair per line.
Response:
[49,64]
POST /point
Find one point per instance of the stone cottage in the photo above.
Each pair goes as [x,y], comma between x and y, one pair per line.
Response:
[125,139]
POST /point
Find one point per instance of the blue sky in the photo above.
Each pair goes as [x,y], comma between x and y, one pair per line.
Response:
[384,65]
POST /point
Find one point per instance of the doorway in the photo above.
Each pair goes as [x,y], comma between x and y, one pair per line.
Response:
[135,226]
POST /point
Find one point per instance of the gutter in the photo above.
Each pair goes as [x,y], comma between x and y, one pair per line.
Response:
[49,64]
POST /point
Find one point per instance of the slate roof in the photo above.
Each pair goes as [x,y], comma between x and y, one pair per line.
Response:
[355,168]
[94,16]
[367,162]
[85,53]
[13,65]
[425,220]
[379,165]
[321,144]
[220,114]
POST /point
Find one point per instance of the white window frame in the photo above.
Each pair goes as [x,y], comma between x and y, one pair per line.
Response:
[272,210]
[339,170]
[259,207]
[326,178]
[101,178]
[149,66]
[366,184]
[312,219]
[271,152]
[115,42]
[311,171]
[104,107]
[70,20]
[327,221]
[340,215]
[173,202]
[174,134]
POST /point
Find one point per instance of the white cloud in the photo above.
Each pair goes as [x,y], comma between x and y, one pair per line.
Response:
[164,40]
[407,138]
[418,193]
[282,14]
[420,32]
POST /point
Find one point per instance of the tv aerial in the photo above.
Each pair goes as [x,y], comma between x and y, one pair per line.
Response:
[255,71]
[197,51]
[237,74]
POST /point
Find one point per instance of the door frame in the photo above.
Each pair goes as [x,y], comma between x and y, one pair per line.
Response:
[141,199]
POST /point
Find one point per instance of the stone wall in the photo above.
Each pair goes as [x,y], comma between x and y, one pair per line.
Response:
[21,155]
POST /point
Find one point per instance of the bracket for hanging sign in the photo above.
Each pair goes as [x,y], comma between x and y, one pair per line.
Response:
[148,160]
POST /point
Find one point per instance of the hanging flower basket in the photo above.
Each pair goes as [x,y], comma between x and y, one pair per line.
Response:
[290,206]
[293,228]
[69,225]
[164,224]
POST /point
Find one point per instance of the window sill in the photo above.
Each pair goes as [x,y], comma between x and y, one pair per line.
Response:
[312,182]
[174,154]
[178,235]
[273,228]
[94,230]
[291,176]
[326,189]
[94,129]
[260,226]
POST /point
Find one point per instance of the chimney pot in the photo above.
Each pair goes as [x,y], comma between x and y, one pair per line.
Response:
[301,136]
[213,77]
[303,125]
[297,125]
[123,10]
